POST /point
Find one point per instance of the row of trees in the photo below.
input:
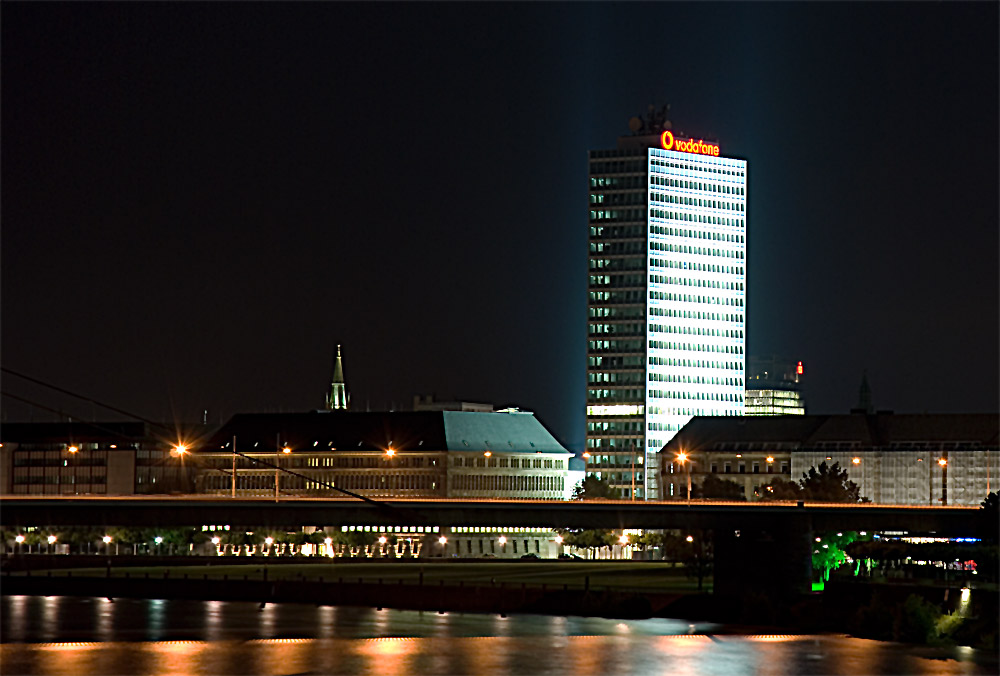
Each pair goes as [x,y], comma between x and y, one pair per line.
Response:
[80,537]
[826,483]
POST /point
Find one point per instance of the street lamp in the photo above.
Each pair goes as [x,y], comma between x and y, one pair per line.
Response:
[73,449]
[856,461]
[689,538]
[683,459]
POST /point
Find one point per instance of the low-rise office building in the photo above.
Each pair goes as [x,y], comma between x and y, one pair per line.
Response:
[96,458]
[926,459]
[387,454]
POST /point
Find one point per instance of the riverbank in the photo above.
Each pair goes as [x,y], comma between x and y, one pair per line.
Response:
[612,589]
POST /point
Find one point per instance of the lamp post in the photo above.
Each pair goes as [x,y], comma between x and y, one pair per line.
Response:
[944,478]
[234,465]
[685,462]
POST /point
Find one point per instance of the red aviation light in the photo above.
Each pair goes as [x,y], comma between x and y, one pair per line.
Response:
[798,369]
[698,147]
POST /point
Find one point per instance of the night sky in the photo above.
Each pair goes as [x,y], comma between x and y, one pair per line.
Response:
[200,200]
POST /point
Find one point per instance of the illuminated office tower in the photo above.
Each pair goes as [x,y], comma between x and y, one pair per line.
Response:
[666,297]
[774,387]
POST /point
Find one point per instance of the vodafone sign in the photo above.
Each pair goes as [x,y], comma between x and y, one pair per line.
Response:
[698,147]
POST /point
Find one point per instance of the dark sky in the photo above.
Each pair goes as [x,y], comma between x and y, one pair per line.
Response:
[200,199]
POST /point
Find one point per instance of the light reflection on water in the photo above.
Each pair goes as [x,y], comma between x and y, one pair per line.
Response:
[54,636]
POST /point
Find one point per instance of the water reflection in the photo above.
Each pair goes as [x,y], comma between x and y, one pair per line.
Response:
[49,636]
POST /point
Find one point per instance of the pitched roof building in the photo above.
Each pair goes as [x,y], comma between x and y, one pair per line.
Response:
[894,458]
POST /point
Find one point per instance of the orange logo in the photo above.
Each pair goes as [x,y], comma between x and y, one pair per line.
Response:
[698,147]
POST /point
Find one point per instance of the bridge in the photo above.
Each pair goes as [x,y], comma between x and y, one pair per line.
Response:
[295,512]
[760,546]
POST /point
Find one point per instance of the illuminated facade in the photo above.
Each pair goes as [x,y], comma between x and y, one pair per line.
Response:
[459,454]
[80,458]
[774,387]
[902,459]
[666,297]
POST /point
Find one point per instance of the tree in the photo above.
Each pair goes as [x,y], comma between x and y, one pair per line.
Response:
[721,489]
[588,539]
[780,489]
[829,484]
[592,487]
[829,552]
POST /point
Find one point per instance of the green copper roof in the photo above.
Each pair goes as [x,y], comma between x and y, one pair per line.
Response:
[498,432]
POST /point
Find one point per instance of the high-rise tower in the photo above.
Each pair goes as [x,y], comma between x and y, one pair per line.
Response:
[666,296]
[337,397]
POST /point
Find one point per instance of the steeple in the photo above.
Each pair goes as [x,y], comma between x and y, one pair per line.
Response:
[337,398]
[865,395]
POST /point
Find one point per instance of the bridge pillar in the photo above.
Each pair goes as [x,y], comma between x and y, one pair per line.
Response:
[776,561]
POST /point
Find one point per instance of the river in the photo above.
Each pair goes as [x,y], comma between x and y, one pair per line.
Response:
[76,636]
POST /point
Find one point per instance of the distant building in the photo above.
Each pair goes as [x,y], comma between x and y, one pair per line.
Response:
[99,458]
[389,454]
[432,454]
[337,398]
[774,387]
[927,459]
[666,296]
[574,476]
[429,402]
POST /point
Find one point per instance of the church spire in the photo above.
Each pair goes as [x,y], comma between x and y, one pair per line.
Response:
[337,398]
[865,395]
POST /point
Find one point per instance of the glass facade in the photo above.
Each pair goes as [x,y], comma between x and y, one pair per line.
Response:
[666,304]
[775,402]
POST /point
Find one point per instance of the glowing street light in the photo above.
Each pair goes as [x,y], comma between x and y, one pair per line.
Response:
[106,539]
[216,540]
[158,540]
[682,458]
[180,449]
[52,539]
[442,541]
[943,462]
[73,449]
[19,539]
[389,452]
[856,461]
[623,539]
[502,540]
[286,449]
[382,540]
[487,454]
[559,539]
[770,458]
[689,538]
[269,541]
